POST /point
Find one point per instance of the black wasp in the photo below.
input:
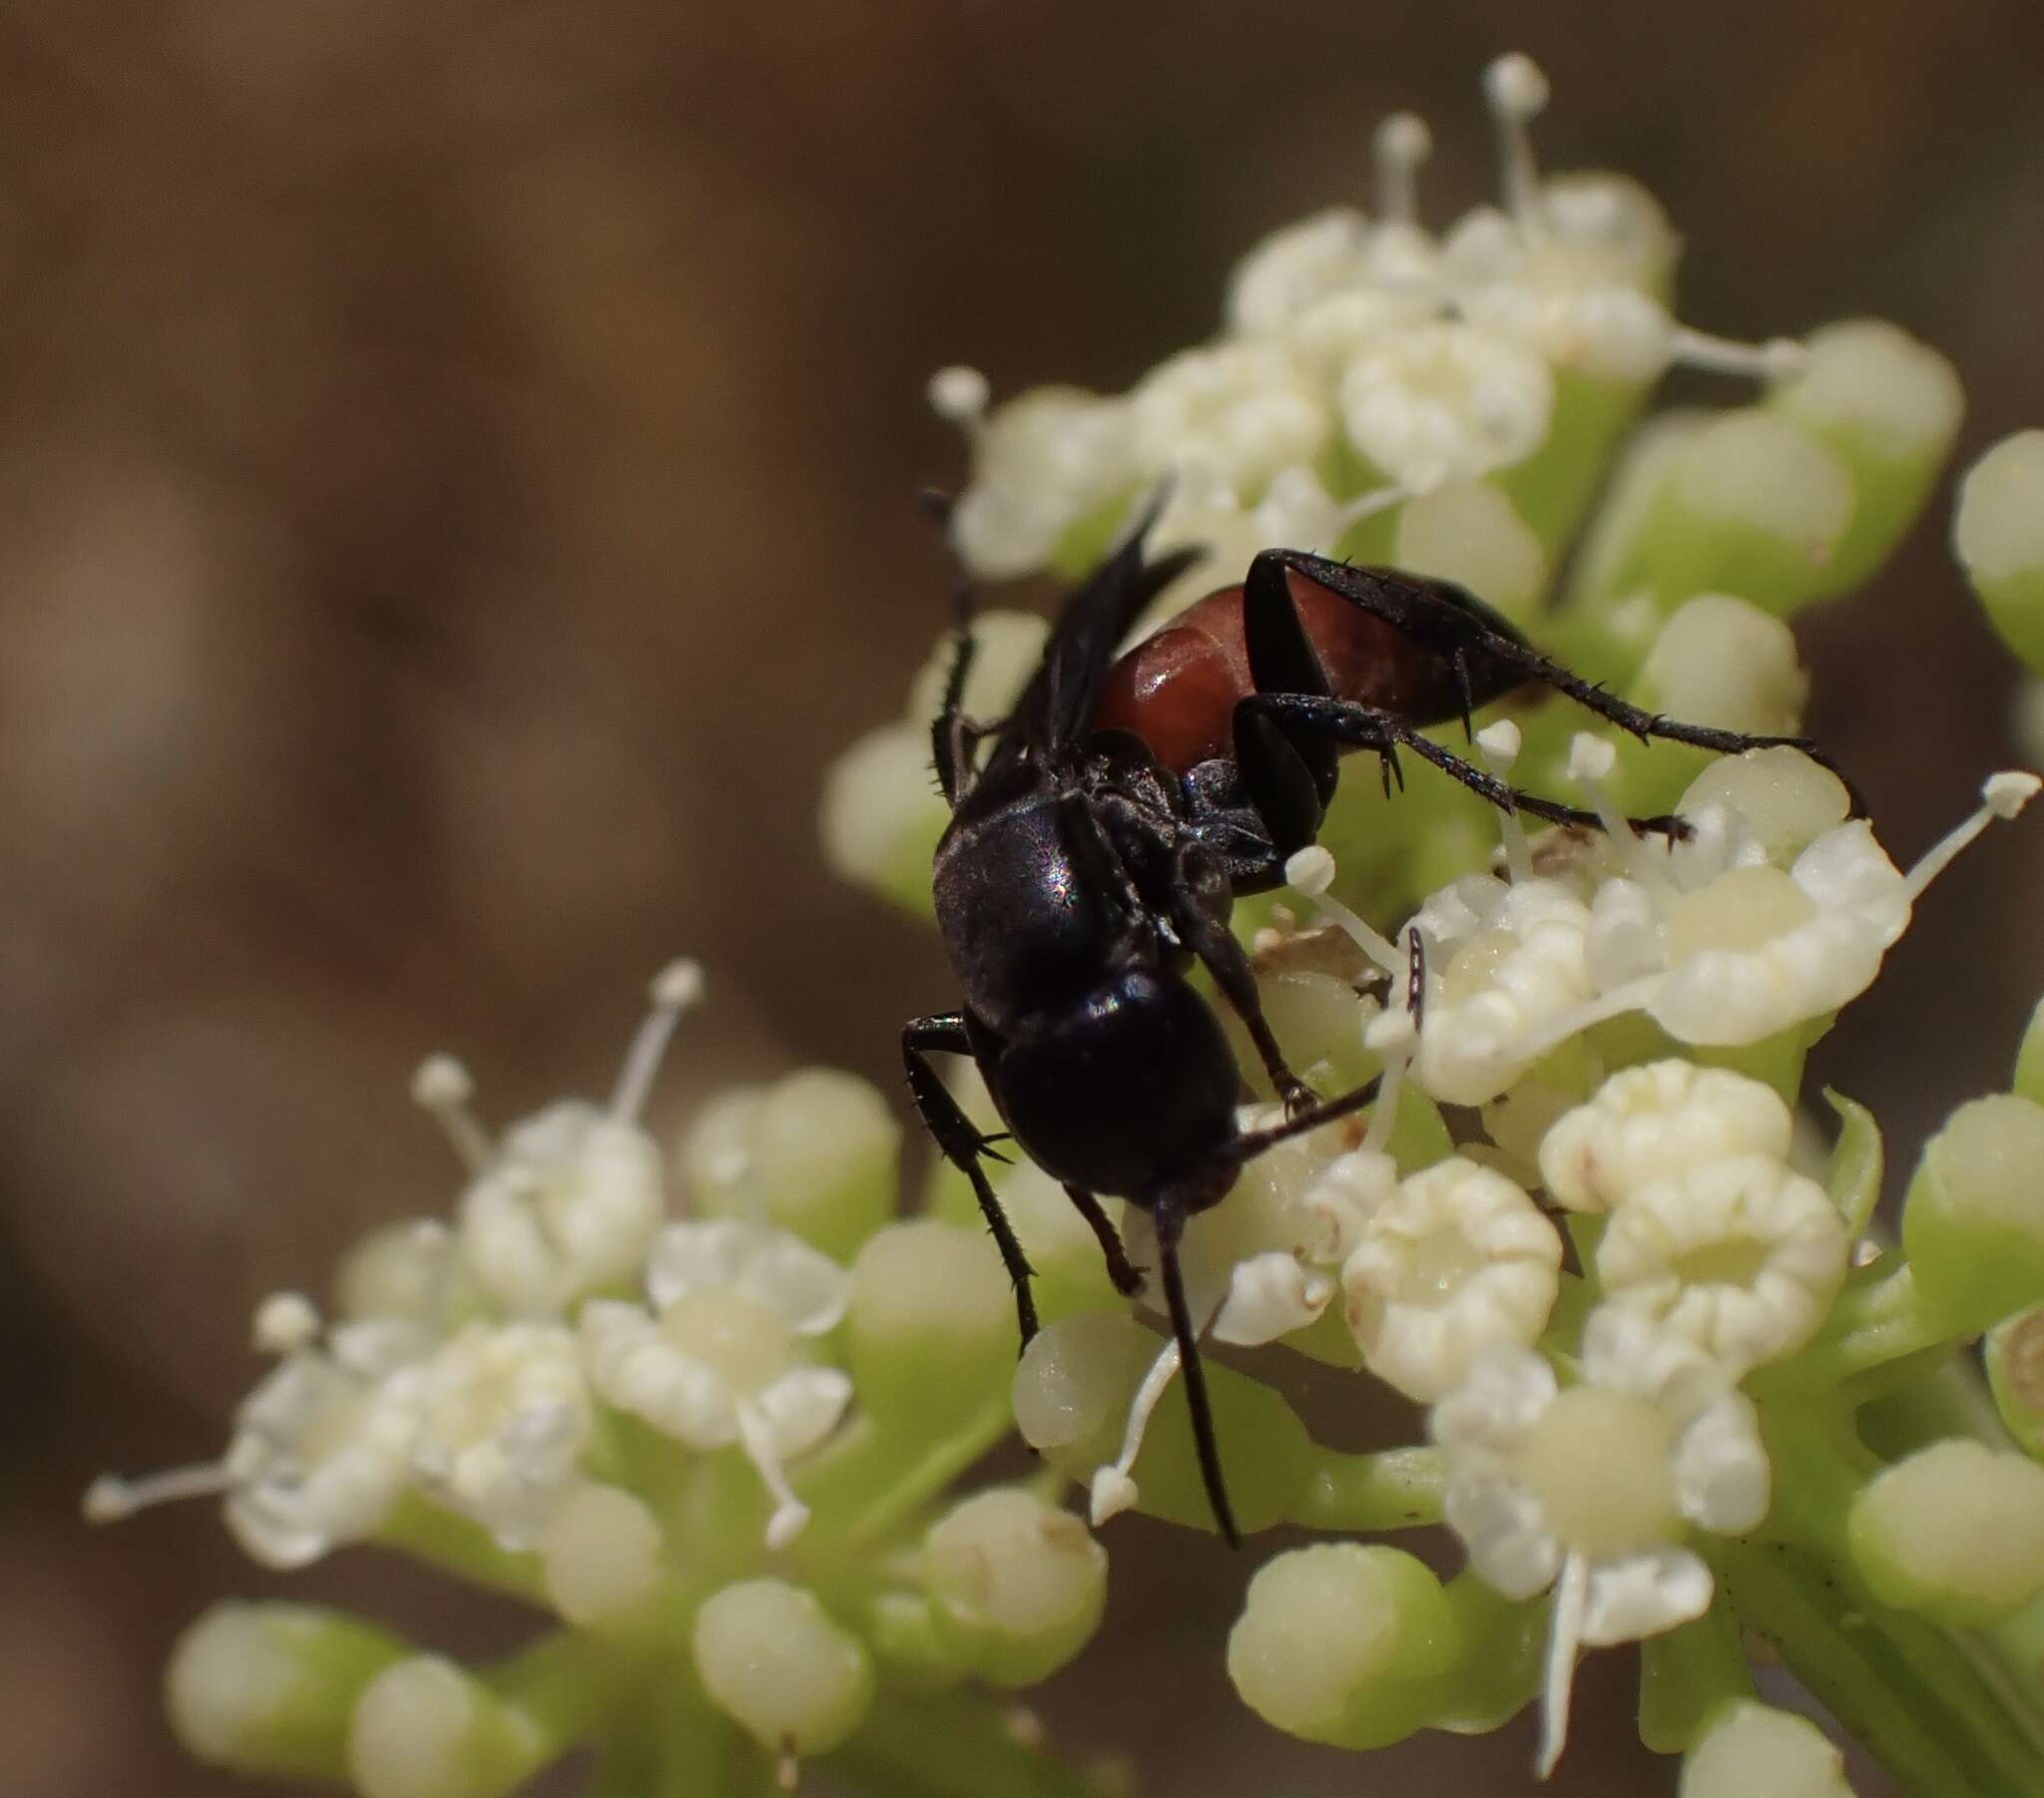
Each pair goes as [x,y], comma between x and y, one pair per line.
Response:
[1094,854]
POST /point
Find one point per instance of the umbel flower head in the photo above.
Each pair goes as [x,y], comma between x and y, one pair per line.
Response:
[1681,1389]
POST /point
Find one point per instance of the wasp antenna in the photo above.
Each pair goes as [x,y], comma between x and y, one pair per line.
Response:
[1206,1443]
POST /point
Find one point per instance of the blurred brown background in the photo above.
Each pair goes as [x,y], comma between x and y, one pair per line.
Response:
[455,478]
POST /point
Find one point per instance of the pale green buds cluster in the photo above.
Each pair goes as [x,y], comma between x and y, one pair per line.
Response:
[714,1451]
[1678,1388]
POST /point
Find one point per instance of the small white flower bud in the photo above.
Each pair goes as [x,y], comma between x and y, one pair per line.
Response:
[2015,1372]
[1023,1583]
[1998,534]
[1293,269]
[1591,759]
[1866,387]
[1722,661]
[1650,1122]
[1338,1642]
[599,1555]
[1446,402]
[267,1689]
[1757,506]
[1074,1379]
[1469,533]
[503,1418]
[1783,797]
[1755,1752]
[816,1153]
[1241,410]
[1737,1255]
[1973,1220]
[1042,464]
[426,1728]
[882,813]
[1269,1295]
[771,1657]
[932,1318]
[1955,1531]
[1456,1263]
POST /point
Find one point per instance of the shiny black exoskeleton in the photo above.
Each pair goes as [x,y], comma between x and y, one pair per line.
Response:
[1094,854]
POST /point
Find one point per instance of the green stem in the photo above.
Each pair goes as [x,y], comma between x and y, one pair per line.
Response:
[1688,1673]
[870,1481]
[569,1685]
[947,1745]
[1392,1489]
[458,1547]
[1903,1689]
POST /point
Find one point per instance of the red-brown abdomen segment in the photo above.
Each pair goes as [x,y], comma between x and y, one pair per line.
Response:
[1178,689]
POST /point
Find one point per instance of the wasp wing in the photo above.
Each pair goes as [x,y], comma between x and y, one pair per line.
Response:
[1056,707]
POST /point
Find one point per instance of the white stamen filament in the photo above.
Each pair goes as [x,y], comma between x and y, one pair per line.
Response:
[1591,761]
[791,1515]
[1402,144]
[1775,360]
[1391,1035]
[2003,796]
[1564,1638]
[1310,873]
[1369,504]
[110,1499]
[1518,90]
[1500,744]
[1112,1489]
[444,1088]
[674,989]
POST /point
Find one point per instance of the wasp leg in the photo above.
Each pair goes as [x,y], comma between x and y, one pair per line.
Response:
[1126,1275]
[1171,1223]
[1199,923]
[954,739]
[1366,728]
[961,1144]
[1649,725]
[1489,656]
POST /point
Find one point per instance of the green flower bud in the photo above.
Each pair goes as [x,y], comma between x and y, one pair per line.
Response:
[1999,536]
[1056,1240]
[428,1729]
[1888,408]
[931,1327]
[600,1556]
[1343,1642]
[882,814]
[2028,1082]
[770,1657]
[1955,1531]
[1755,1752]
[1071,1392]
[1468,533]
[1973,1220]
[1020,1583]
[1750,506]
[1718,660]
[816,1152]
[265,1689]
[2015,1372]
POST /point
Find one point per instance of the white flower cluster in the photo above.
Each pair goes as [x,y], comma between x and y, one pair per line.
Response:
[1773,911]
[1364,362]
[470,1367]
